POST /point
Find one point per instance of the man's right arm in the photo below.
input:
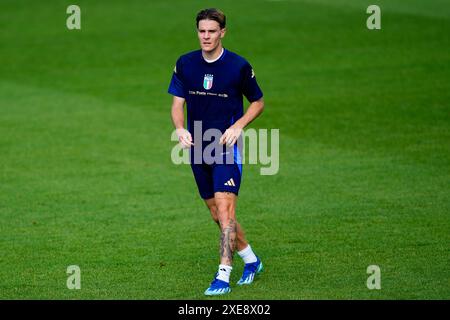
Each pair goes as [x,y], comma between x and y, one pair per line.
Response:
[184,136]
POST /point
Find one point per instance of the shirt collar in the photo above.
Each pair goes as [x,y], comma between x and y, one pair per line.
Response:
[214,60]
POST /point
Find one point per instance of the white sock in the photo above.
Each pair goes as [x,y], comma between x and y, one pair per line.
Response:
[224,272]
[247,255]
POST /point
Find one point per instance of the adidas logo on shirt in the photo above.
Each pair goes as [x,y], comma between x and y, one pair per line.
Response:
[230,183]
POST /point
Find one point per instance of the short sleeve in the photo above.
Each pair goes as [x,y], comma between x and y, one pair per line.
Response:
[176,86]
[250,87]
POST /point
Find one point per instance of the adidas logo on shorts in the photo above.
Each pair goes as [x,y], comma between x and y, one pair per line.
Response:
[230,183]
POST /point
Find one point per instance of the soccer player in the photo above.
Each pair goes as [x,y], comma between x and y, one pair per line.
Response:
[212,82]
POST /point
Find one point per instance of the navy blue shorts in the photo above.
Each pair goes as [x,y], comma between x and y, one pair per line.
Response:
[211,178]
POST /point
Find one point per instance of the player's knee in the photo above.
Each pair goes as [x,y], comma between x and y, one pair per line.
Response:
[224,209]
[225,215]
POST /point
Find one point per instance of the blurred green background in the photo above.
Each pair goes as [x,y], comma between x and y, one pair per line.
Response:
[86,177]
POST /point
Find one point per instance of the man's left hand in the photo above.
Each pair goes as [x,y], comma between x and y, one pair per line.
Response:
[231,135]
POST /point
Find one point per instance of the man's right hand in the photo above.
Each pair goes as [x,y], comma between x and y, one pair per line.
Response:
[184,137]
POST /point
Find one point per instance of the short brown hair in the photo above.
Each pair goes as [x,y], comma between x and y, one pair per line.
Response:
[212,14]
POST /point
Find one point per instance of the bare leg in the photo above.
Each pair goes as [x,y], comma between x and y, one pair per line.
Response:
[241,243]
[226,204]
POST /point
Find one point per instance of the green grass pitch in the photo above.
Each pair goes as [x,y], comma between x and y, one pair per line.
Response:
[86,177]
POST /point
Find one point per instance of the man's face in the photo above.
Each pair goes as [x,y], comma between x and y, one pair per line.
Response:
[209,34]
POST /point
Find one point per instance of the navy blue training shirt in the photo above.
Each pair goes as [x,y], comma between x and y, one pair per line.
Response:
[214,91]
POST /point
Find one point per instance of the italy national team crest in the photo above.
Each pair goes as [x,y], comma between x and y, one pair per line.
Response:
[208,81]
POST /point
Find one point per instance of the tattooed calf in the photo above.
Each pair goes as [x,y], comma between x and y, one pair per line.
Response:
[228,242]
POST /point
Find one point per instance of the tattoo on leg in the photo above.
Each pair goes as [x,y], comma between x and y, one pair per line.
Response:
[228,242]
